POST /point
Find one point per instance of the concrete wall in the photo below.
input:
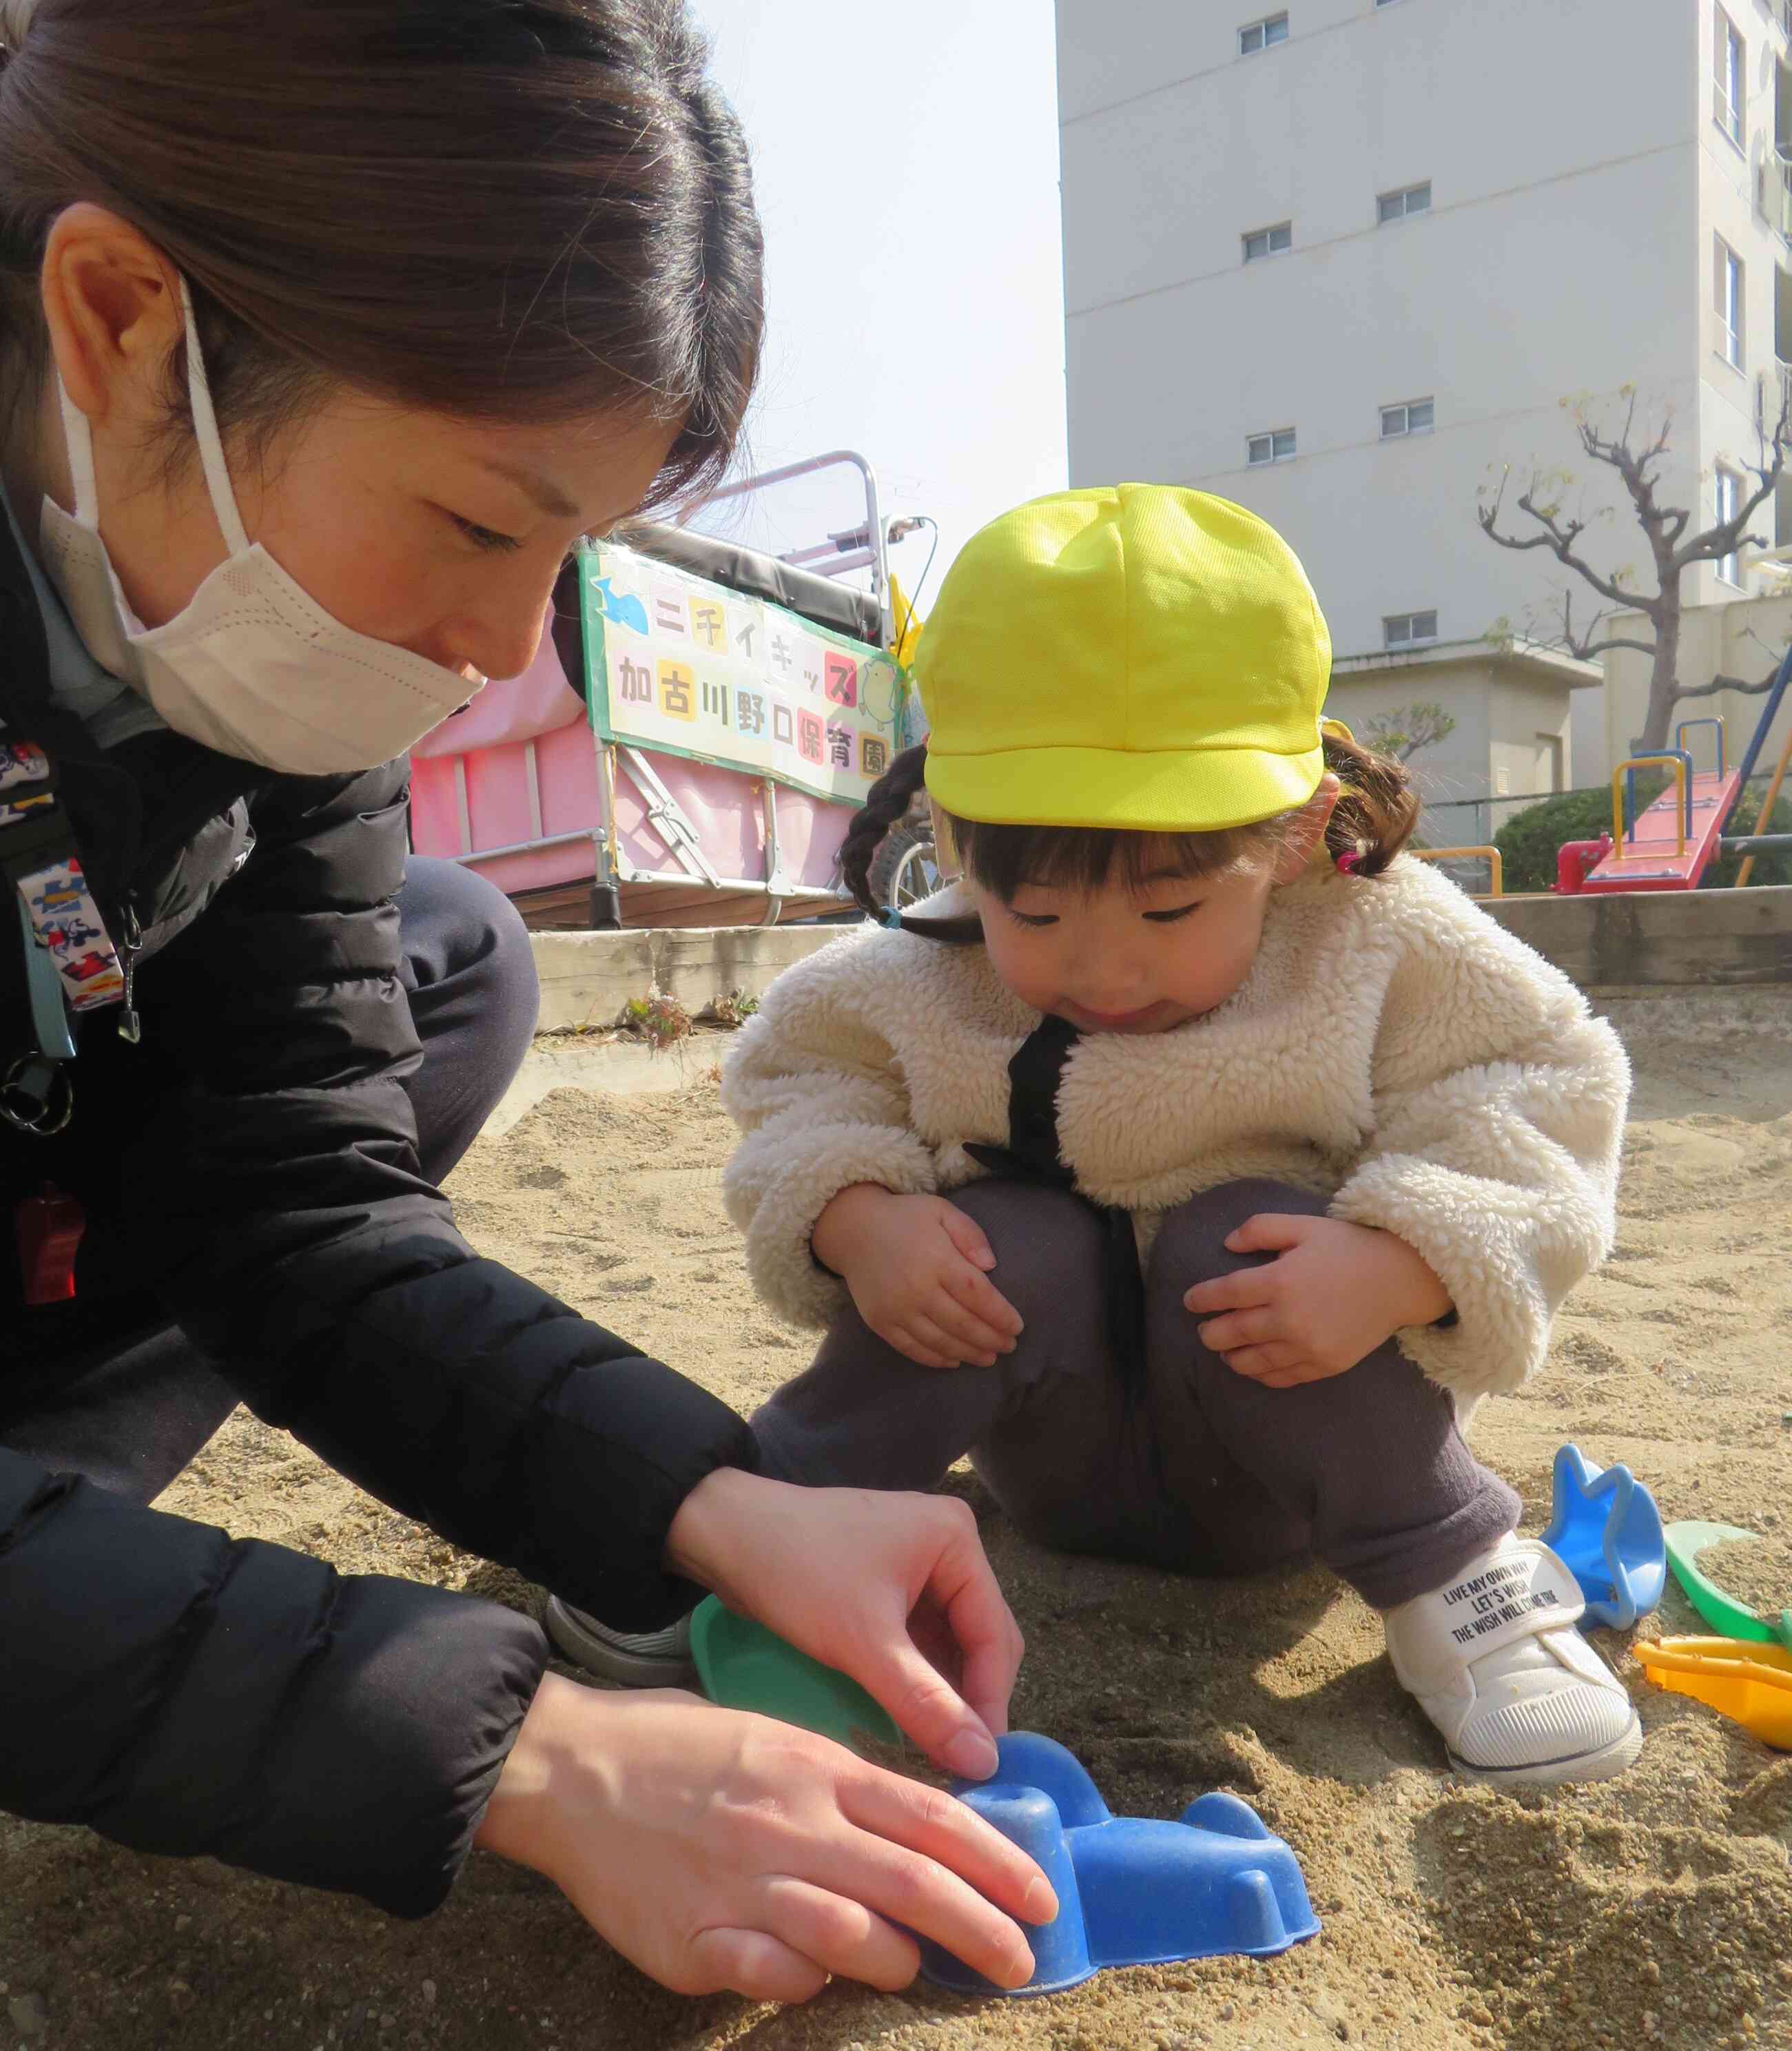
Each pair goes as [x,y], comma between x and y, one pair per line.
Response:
[587,977]
[1564,253]
[1507,710]
[1739,195]
[1670,937]
[1659,938]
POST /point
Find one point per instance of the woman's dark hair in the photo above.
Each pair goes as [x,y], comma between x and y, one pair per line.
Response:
[516,211]
[1372,820]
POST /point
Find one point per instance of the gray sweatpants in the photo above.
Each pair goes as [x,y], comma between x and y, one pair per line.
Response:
[1208,1472]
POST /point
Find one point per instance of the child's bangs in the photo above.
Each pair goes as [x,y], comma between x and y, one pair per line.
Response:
[1008,859]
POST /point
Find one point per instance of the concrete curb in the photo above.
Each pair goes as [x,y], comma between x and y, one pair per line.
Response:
[1616,948]
[1670,937]
[587,977]
[1659,937]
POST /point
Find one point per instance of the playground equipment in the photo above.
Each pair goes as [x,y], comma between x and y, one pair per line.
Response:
[1750,1684]
[1761,837]
[1132,1890]
[693,737]
[1684,1542]
[1674,842]
[1606,1530]
[1494,860]
[1745,1676]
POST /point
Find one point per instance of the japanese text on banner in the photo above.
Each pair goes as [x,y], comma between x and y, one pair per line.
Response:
[689,668]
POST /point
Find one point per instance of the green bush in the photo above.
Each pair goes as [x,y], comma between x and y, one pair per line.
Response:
[1529,839]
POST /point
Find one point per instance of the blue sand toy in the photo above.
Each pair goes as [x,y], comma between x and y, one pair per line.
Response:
[1132,1891]
[1606,1530]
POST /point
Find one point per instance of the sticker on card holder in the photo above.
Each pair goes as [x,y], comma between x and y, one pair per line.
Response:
[67,923]
[25,782]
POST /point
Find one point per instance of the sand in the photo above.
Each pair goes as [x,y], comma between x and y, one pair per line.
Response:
[1654,1910]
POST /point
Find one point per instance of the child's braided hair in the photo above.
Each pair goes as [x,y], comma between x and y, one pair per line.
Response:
[1373,819]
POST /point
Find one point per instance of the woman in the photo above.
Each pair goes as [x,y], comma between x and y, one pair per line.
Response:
[324,332]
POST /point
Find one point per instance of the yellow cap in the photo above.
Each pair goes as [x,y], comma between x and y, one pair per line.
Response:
[1135,655]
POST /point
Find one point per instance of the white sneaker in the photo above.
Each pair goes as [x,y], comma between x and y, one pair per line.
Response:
[630,1658]
[1497,1665]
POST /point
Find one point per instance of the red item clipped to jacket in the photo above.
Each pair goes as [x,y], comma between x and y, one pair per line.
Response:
[49,1227]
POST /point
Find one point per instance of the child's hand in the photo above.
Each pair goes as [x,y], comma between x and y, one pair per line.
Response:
[1335,1293]
[917,1270]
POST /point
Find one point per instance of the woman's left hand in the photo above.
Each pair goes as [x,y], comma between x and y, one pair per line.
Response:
[893,1589]
[1333,1294]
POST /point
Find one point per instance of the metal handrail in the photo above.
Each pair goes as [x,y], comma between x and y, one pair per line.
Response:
[1495,862]
[1682,763]
[1711,718]
[840,552]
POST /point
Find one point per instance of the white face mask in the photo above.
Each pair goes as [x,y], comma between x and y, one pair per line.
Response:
[253,666]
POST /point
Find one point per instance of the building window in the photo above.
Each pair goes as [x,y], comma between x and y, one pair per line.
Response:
[1729,303]
[1269,241]
[1276,446]
[1729,87]
[1409,200]
[1408,629]
[1262,35]
[1412,417]
[1729,504]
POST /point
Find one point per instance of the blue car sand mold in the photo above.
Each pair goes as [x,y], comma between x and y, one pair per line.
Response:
[1132,1890]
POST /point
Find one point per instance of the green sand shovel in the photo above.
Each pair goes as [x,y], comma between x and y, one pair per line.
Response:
[1684,1543]
[743,1666]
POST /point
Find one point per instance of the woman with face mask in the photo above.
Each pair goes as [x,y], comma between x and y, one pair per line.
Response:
[325,331]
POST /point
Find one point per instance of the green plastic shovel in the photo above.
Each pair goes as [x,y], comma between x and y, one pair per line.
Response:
[1684,1543]
[743,1666]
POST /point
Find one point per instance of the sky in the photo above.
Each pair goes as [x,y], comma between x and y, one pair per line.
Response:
[907,169]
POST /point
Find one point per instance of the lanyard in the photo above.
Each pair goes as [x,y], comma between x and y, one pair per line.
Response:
[71,965]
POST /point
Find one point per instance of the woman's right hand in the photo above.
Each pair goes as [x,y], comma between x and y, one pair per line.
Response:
[917,1269]
[717,1850]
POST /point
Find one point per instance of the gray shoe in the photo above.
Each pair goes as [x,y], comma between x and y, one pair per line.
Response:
[629,1659]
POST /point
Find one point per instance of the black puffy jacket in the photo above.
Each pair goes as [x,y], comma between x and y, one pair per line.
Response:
[250,1169]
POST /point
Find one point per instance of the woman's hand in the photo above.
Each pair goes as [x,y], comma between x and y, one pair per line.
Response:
[1335,1292]
[917,1269]
[893,1589]
[717,1850]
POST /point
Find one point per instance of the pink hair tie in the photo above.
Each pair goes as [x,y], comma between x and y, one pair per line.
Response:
[1350,858]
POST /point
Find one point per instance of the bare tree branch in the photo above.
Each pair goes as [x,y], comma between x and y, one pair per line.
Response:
[1725,538]
[1586,650]
[1586,641]
[1674,544]
[1559,541]
[1718,685]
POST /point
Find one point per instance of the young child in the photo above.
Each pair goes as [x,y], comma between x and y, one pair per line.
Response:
[1197,1161]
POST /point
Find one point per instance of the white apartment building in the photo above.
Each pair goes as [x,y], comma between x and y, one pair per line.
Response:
[1342,260]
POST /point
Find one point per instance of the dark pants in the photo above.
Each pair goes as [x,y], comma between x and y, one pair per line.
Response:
[1207,1472]
[131,1414]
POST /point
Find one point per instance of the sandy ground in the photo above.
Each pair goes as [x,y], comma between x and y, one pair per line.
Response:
[1654,1910]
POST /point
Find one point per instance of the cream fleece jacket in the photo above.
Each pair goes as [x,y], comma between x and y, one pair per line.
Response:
[1393,1049]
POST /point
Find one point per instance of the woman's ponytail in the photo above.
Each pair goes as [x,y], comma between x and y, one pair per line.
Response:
[886,805]
[1376,811]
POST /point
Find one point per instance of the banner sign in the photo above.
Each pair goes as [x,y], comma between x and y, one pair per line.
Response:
[677,664]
